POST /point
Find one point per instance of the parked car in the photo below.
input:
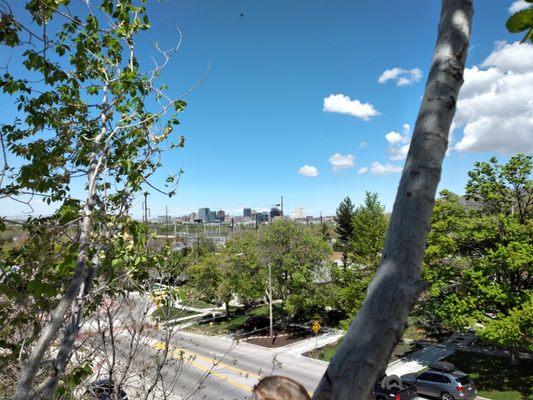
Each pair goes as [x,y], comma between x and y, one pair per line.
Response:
[103,389]
[392,388]
[442,380]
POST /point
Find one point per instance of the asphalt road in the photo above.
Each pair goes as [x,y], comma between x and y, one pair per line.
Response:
[213,368]
[217,368]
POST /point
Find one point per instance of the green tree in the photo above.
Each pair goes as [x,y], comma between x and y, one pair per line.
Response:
[324,230]
[210,280]
[344,227]
[246,274]
[233,273]
[480,255]
[88,117]
[297,256]
[369,227]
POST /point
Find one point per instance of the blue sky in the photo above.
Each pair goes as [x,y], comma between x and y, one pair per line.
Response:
[259,117]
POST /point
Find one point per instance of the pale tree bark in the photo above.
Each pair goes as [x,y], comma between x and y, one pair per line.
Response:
[380,323]
[76,289]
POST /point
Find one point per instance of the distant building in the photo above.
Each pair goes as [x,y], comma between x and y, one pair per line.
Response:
[298,213]
[204,214]
[275,212]
[247,212]
[212,216]
[221,215]
[261,217]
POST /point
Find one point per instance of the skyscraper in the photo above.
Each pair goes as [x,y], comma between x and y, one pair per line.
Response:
[247,212]
[204,214]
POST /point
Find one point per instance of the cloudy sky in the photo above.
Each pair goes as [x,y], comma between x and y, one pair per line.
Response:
[317,100]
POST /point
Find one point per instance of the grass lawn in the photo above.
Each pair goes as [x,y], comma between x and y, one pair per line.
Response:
[198,304]
[234,323]
[327,352]
[167,313]
[495,377]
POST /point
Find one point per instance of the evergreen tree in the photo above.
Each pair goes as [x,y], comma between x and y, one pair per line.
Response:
[369,228]
[344,228]
[324,230]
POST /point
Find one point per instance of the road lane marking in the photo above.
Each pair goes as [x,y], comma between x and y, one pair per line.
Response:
[180,353]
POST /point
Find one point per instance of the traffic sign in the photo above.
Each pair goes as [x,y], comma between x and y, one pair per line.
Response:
[316,327]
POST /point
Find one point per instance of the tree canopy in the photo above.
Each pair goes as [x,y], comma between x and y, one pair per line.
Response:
[480,255]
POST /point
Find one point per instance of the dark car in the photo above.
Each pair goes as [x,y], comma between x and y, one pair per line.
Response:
[104,389]
[392,388]
[442,380]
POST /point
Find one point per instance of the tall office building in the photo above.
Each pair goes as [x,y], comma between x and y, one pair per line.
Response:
[221,215]
[204,214]
[247,212]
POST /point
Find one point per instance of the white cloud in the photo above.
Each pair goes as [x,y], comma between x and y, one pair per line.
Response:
[394,137]
[339,103]
[518,6]
[398,143]
[380,169]
[362,145]
[362,170]
[339,161]
[308,170]
[399,153]
[495,106]
[403,77]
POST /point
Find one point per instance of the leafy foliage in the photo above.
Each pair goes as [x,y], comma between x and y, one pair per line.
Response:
[298,259]
[522,21]
[479,256]
[369,224]
[344,226]
[90,118]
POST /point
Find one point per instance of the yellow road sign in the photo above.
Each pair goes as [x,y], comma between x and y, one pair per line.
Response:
[316,327]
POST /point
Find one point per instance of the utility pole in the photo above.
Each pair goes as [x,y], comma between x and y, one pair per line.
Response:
[219,228]
[146,207]
[197,247]
[270,299]
[166,222]
[174,234]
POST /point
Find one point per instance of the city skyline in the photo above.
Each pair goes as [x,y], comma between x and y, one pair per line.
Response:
[334,117]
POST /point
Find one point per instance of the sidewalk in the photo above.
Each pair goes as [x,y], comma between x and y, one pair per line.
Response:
[420,359]
[310,344]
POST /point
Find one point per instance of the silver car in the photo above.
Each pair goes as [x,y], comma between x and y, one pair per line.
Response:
[443,381]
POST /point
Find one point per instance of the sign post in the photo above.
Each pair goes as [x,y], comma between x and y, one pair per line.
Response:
[316,328]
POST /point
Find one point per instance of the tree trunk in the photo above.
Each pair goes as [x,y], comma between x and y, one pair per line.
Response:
[227,308]
[75,289]
[380,323]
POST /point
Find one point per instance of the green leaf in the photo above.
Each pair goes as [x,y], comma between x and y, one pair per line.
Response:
[520,21]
